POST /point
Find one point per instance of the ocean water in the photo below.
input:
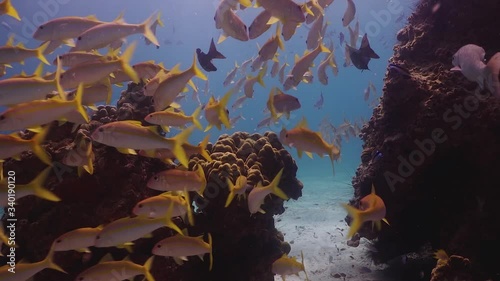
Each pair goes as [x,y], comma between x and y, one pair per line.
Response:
[189,24]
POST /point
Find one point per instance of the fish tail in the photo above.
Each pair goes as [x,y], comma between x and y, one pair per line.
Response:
[194,116]
[230,197]
[196,71]
[125,60]
[306,9]
[270,104]
[188,207]
[222,109]
[37,148]
[178,150]
[211,254]
[147,269]
[39,190]
[39,52]
[10,10]
[168,220]
[78,102]
[159,21]
[148,33]
[260,76]
[57,79]
[246,3]
[274,186]
[201,174]
[323,48]
[357,219]
[203,149]
[214,53]
[278,37]
[50,263]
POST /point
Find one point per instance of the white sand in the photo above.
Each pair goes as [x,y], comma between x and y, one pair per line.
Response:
[315,225]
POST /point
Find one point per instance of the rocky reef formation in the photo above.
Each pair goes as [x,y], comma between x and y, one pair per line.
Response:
[244,246]
[431,147]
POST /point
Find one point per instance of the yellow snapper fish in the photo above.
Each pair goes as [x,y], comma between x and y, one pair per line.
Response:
[269,49]
[302,65]
[275,68]
[111,270]
[72,59]
[178,180]
[24,271]
[19,53]
[20,90]
[441,256]
[168,117]
[349,13]
[104,34]
[372,208]
[250,82]
[39,112]
[303,139]
[314,34]
[259,193]
[125,230]
[230,76]
[288,266]
[232,26]
[127,135]
[279,102]
[162,153]
[93,94]
[282,10]
[259,24]
[95,71]
[173,83]
[6,8]
[81,156]
[35,187]
[492,75]
[12,146]
[148,69]
[239,188]
[328,61]
[180,247]
[216,113]
[157,206]
[79,239]
[354,34]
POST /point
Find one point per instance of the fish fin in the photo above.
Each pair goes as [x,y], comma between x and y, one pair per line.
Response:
[37,186]
[357,219]
[39,70]
[10,10]
[148,33]
[270,104]
[69,42]
[78,103]
[203,150]
[456,69]
[196,71]
[222,37]
[194,116]
[245,3]
[222,109]
[302,123]
[126,150]
[168,220]
[272,20]
[309,154]
[201,174]
[177,148]
[92,17]
[125,60]
[188,207]
[307,10]
[178,260]
[231,194]
[210,244]
[37,149]
[274,186]
[39,52]
[49,263]
[213,53]
[386,221]
[209,126]
[299,152]
[260,76]
[147,269]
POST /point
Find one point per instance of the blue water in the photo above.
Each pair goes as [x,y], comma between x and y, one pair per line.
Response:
[189,25]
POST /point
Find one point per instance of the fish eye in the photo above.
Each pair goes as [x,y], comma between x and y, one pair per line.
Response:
[155,178]
[286,135]
[2,117]
[58,241]
[79,37]
[101,130]
[139,206]
[98,237]
[61,76]
[41,27]
[158,246]
[227,111]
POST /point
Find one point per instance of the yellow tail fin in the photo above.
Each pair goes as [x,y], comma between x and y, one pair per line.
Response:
[203,148]
[201,174]
[37,149]
[10,10]
[78,103]
[196,71]
[125,59]
[222,109]
[230,197]
[37,186]
[357,219]
[177,148]
[260,77]
[270,104]
[168,219]
[39,53]
[188,207]
[147,269]
[49,263]
[148,33]
[195,115]
[274,186]
[211,255]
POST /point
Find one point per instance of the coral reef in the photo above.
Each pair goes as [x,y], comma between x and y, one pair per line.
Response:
[245,246]
[431,147]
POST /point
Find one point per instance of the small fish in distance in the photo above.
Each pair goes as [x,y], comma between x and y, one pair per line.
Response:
[399,69]
[205,60]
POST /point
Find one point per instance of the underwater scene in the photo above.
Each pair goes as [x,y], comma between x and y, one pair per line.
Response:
[249,140]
